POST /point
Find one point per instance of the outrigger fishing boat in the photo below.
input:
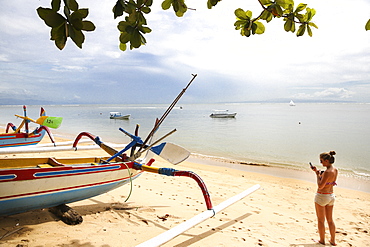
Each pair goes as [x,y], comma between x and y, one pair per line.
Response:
[14,137]
[118,115]
[35,183]
[222,114]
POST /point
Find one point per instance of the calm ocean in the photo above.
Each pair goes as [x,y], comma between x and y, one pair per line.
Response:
[275,134]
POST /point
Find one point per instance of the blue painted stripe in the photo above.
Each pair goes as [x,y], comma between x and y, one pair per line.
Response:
[5,137]
[77,171]
[47,200]
[6,177]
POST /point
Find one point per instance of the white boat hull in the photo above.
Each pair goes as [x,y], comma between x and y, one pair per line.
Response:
[223,115]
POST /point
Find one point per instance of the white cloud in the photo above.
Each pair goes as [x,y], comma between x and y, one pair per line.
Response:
[66,68]
[229,67]
[335,92]
[329,93]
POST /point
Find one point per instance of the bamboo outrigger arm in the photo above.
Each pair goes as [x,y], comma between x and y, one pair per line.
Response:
[96,139]
[177,230]
[177,173]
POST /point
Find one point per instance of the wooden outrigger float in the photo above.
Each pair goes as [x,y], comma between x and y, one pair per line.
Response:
[35,183]
[14,137]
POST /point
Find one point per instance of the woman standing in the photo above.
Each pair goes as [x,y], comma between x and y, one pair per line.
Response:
[324,198]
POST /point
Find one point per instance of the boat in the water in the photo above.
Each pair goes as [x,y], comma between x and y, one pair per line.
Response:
[36,183]
[291,103]
[16,137]
[118,115]
[222,114]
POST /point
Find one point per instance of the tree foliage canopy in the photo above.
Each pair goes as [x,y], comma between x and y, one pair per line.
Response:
[68,21]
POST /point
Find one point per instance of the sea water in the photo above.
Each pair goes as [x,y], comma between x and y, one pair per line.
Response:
[275,134]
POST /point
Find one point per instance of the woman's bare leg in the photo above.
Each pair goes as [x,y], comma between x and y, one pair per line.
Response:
[320,213]
[329,218]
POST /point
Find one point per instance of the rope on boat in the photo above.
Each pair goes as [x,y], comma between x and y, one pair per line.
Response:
[131,183]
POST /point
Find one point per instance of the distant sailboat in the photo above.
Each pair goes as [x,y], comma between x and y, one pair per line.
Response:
[291,103]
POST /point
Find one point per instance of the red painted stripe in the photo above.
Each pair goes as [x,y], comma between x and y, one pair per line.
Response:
[28,173]
[20,144]
[67,188]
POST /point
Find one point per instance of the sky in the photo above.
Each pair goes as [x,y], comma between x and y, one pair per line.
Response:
[333,65]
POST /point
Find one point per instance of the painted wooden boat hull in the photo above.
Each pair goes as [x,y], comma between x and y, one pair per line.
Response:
[42,185]
[20,139]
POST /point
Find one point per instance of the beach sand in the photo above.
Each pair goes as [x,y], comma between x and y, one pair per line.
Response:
[280,213]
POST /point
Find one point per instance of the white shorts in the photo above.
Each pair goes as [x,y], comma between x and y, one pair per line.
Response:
[325,199]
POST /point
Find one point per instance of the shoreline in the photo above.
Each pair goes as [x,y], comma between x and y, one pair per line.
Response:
[280,213]
[352,183]
[345,180]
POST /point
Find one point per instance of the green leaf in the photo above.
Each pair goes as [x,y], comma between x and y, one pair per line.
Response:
[50,17]
[310,14]
[176,5]
[122,47]
[118,9]
[309,31]
[145,29]
[240,23]
[313,25]
[77,23]
[88,26]
[293,27]
[267,16]
[258,27]
[133,17]
[181,12]
[130,29]
[122,25]
[211,3]
[55,5]
[72,4]
[300,7]
[146,10]
[367,26]
[67,11]
[301,30]
[141,19]
[80,14]
[241,14]
[278,10]
[285,3]
[124,37]
[166,4]
[143,40]
[59,35]
[288,25]
[265,2]
[76,35]
[135,39]
[300,17]
[249,14]
[148,3]
[246,32]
